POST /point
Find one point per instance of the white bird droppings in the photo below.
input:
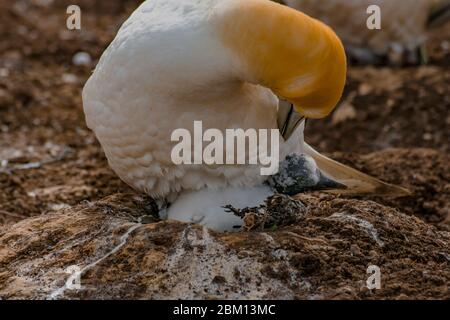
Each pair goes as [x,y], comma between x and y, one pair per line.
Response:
[366,225]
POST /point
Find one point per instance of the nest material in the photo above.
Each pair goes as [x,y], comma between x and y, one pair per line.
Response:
[277,211]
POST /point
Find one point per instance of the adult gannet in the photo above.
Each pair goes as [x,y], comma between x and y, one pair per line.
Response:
[223,62]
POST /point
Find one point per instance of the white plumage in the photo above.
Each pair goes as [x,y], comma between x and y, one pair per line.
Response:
[165,69]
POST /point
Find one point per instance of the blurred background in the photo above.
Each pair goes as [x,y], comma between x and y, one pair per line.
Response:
[393,121]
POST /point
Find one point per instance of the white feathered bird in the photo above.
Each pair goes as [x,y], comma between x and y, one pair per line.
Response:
[404,25]
[223,62]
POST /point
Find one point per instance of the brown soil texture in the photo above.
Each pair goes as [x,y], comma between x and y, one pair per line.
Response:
[61,205]
[324,256]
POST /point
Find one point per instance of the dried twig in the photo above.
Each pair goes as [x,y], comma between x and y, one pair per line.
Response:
[11,214]
[278,210]
[36,165]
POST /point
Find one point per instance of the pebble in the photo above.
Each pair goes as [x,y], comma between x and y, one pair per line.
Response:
[4,72]
[69,78]
[82,59]
[280,254]
[355,250]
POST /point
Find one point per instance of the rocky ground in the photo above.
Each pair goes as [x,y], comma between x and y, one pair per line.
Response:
[60,204]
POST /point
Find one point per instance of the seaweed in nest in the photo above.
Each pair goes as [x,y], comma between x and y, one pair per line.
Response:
[277,211]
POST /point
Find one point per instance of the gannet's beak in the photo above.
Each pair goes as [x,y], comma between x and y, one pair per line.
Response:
[356,182]
[313,171]
[288,119]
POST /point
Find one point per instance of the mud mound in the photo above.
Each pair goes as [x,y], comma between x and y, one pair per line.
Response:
[425,172]
[325,256]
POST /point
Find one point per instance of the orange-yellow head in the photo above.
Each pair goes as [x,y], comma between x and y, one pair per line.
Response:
[299,58]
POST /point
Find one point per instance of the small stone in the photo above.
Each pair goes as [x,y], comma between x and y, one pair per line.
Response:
[69,78]
[58,206]
[346,111]
[4,73]
[355,250]
[365,89]
[280,254]
[82,59]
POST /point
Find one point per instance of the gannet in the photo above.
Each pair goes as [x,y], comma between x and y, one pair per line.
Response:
[227,63]
[404,26]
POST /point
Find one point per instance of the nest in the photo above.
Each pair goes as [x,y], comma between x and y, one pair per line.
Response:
[277,211]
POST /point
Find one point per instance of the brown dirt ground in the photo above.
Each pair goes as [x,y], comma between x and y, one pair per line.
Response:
[324,256]
[393,123]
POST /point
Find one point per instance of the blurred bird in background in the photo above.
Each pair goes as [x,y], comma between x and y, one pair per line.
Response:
[404,26]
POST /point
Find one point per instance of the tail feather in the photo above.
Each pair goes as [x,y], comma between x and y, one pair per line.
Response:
[357,183]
